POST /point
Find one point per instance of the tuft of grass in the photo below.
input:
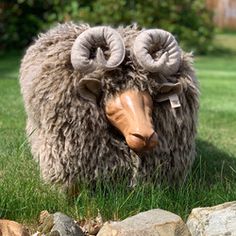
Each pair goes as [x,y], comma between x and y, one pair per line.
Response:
[212,180]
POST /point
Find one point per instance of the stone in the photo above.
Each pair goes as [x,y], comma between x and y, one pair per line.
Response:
[58,224]
[92,226]
[12,228]
[66,226]
[155,222]
[217,220]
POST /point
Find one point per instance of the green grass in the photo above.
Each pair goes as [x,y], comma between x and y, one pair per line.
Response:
[213,180]
[226,40]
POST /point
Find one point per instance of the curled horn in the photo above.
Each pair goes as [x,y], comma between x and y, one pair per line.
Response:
[157,50]
[97,38]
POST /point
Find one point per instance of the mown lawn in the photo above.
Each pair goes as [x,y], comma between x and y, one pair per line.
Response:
[213,181]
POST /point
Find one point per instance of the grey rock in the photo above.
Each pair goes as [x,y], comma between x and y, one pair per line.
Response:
[218,220]
[65,226]
[155,222]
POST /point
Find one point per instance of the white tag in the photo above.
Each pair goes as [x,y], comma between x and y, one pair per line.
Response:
[174,101]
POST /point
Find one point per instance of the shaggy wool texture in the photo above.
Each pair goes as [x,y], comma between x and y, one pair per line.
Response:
[72,139]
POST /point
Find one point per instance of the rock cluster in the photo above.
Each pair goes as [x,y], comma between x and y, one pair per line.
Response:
[218,220]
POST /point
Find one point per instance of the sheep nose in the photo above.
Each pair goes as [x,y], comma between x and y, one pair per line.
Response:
[142,141]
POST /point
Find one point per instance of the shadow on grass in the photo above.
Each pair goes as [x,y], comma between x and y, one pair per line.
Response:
[216,165]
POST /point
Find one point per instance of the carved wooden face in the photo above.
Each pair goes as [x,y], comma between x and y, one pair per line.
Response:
[131,113]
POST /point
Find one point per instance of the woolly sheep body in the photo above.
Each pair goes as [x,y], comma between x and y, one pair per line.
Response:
[72,139]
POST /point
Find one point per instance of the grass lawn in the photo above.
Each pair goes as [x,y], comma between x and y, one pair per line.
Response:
[213,181]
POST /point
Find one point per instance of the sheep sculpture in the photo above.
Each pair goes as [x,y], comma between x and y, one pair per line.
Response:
[106,103]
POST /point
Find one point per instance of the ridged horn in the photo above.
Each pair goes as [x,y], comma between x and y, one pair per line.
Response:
[157,50]
[97,38]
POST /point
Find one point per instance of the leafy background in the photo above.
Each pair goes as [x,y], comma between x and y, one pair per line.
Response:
[188,20]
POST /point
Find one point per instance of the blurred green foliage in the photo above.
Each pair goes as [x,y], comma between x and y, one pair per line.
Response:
[188,20]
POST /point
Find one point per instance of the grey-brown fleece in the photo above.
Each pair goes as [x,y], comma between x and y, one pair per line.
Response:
[71,137]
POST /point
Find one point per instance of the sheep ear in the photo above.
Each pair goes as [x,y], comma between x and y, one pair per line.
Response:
[167,89]
[90,89]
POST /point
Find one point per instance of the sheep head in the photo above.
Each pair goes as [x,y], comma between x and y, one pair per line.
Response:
[130,110]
